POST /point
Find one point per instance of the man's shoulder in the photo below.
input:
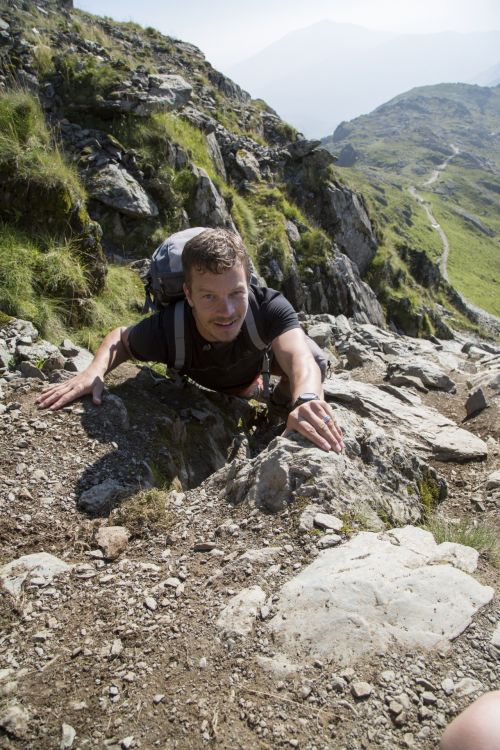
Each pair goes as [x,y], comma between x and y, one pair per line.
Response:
[263,295]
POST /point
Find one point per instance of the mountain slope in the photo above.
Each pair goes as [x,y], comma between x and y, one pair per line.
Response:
[329,72]
[445,141]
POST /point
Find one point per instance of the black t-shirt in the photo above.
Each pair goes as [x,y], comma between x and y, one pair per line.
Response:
[217,366]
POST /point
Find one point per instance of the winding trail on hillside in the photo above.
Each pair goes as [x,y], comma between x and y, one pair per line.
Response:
[483,317]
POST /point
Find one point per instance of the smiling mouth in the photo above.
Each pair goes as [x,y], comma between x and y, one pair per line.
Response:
[226,325]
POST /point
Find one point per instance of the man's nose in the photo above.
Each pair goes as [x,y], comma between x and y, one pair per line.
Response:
[226,305]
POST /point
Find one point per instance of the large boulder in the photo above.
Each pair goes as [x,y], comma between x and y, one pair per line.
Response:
[115,187]
[375,475]
[208,206]
[377,592]
[419,427]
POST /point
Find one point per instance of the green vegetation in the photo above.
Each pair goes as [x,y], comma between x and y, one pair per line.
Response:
[26,151]
[481,535]
[429,492]
[400,144]
[86,81]
[49,287]
[144,514]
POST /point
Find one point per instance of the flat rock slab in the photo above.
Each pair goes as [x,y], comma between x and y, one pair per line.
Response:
[41,566]
[376,592]
[419,426]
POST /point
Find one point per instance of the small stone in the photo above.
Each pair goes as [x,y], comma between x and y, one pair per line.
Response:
[476,402]
[127,742]
[327,521]
[395,708]
[68,737]
[387,677]
[113,690]
[305,691]
[361,690]
[424,713]
[172,582]
[112,540]
[158,698]
[116,647]
[467,686]
[428,698]
[14,720]
[204,546]
[329,540]
[448,686]
[151,603]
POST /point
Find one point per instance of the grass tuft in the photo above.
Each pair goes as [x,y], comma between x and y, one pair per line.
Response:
[144,514]
[480,535]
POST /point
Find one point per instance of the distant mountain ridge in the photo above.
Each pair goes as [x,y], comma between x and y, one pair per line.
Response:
[328,72]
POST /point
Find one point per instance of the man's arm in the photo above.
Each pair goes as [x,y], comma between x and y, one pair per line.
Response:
[112,352]
[314,420]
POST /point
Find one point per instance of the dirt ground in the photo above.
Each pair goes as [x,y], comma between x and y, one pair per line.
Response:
[127,652]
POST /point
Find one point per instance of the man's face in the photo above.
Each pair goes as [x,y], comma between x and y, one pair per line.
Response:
[219,302]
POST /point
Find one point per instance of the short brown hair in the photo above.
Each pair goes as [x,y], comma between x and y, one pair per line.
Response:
[214,251]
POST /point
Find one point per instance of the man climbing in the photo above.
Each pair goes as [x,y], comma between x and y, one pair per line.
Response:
[219,336]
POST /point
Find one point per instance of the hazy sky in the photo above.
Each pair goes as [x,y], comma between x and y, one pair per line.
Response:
[228,32]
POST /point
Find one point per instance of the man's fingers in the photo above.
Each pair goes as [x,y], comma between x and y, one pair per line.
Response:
[97,391]
[306,429]
[316,422]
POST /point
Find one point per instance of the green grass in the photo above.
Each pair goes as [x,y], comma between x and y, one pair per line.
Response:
[144,514]
[26,151]
[49,287]
[473,260]
[481,535]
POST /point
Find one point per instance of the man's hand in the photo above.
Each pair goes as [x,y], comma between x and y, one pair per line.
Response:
[87,382]
[316,422]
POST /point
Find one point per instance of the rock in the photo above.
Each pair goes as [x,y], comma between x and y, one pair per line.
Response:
[115,187]
[100,499]
[40,565]
[321,333]
[166,92]
[361,689]
[114,408]
[68,348]
[448,686]
[495,638]
[14,720]
[5,355]
[263,556]
[151,603]
[29,370]
[248,165]
[458,445]
[80,361]
[242,610]
[416,426]
[329,540]
[493,481]
[209,208]
[112,540]
[409,381]
[476,402]
[372,594]
[327,521]
[292,468]
[430,374]
[35,353]
[467,686]
[55,362]
[68,737]
[306,521]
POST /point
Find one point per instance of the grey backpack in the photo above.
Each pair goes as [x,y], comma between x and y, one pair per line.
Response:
[163,285]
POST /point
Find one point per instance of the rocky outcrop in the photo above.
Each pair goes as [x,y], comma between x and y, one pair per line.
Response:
[115,187]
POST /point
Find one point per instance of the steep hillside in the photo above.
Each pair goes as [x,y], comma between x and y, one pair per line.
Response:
[153,139]
[443,141]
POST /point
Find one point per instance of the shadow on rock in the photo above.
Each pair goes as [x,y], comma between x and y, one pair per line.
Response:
[149,432]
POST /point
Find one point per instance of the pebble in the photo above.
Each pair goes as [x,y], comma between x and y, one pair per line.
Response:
[467,686]
[172,582]
[116,647]
[68,737]
[203,662]
[361,689]
[448,686]
[204,546]
[327,521]
[151,603]
[14,719]
[158,698]
[429,698]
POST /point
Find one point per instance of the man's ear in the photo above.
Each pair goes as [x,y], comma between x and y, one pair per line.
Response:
[187,294]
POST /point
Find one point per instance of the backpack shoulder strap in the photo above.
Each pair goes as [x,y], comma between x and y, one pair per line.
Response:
[179,336]
[251,327]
